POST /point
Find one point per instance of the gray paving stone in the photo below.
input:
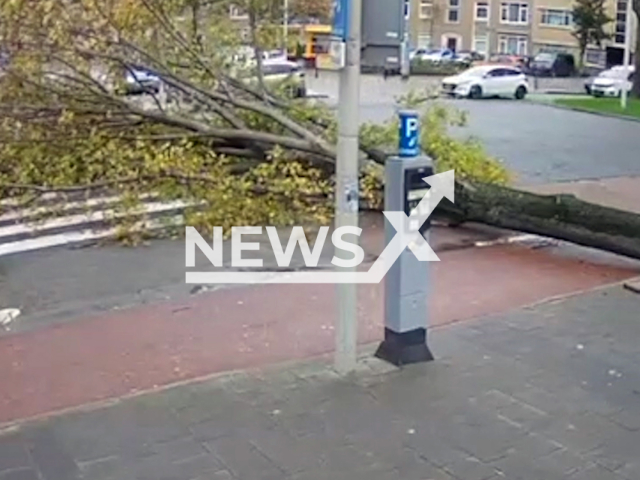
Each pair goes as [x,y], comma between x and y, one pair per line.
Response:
[627,419]
[13,453]
[617,451]
[129,427]
[630,470]
[177,450]
[595,472]
[409,465]
[581,433]
[220,475]
[470,468]
[563,461]
[101,469]
[244,460]
[49,455]
[157,467]
[20,474]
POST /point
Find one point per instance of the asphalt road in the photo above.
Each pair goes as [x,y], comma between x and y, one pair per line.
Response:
[539,143]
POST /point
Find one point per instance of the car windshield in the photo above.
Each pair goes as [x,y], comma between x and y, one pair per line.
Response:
[475,72]
[544,57]
[613,73]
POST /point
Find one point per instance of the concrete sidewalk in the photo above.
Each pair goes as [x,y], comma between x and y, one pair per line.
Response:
[544,393]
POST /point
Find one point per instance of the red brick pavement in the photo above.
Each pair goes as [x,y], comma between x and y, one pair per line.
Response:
[115,354]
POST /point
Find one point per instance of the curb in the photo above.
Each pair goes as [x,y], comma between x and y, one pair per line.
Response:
[559,92]
[582,110]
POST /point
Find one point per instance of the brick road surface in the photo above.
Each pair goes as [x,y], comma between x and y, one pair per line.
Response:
[543,393]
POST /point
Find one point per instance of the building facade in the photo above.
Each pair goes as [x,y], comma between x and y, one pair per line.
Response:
[517,27]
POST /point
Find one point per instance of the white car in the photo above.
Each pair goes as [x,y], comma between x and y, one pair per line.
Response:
[441,55]
[611,82]
[487,81]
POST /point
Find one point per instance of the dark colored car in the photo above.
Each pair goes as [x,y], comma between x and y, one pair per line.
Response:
[547,64]
[467,57]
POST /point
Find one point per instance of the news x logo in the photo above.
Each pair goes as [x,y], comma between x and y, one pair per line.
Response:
[407,235]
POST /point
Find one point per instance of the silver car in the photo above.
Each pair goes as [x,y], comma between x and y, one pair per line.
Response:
[138,80]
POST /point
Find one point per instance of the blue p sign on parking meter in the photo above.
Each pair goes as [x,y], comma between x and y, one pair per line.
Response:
[409,134]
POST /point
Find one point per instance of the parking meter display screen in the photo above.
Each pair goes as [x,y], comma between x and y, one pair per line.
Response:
[415,190]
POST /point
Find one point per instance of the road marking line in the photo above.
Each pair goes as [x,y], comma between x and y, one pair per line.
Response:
[77,220]
[92,202]
[80,236]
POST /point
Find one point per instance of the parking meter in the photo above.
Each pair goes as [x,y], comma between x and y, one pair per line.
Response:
[407,282]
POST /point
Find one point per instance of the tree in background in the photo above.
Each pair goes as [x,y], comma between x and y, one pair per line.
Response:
[320,9]
[590,19]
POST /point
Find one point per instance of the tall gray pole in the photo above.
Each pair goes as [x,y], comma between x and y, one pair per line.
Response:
[404,49]
[347,195]
[286,28]
[627,52]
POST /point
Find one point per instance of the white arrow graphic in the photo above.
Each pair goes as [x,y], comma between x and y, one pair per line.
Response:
[442,186]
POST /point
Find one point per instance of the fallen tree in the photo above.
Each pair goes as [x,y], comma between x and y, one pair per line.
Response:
[243,149]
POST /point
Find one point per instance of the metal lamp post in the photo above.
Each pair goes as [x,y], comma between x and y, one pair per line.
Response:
[346,28]
[627,52]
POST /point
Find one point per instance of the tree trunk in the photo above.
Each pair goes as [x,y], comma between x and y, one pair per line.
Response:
[563,217]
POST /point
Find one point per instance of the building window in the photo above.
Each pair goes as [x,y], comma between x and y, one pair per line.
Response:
[424,41]
[621,22]
[480,45]
[556,18]
[426,8]
[236,13]
[453,12]
[512,45]
[620,32]
[517,13]
[482,11]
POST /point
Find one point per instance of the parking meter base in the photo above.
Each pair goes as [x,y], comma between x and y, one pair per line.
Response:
[404,348]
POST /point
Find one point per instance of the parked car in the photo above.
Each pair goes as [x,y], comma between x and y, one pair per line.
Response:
[611,82]
[468,57]
[140,80]
[277,72]
[547,64]
[487,81]
[441,55]
[516,61]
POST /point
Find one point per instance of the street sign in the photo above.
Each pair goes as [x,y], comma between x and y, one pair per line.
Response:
[341,18]
[409,133]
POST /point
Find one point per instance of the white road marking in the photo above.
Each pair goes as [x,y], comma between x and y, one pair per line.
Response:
[49,241]
[81,219]
[18,215]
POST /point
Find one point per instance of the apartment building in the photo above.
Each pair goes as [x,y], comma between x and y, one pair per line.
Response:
[519,27]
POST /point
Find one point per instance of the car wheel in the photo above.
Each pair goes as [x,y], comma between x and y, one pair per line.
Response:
[475,92]
[521,92]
